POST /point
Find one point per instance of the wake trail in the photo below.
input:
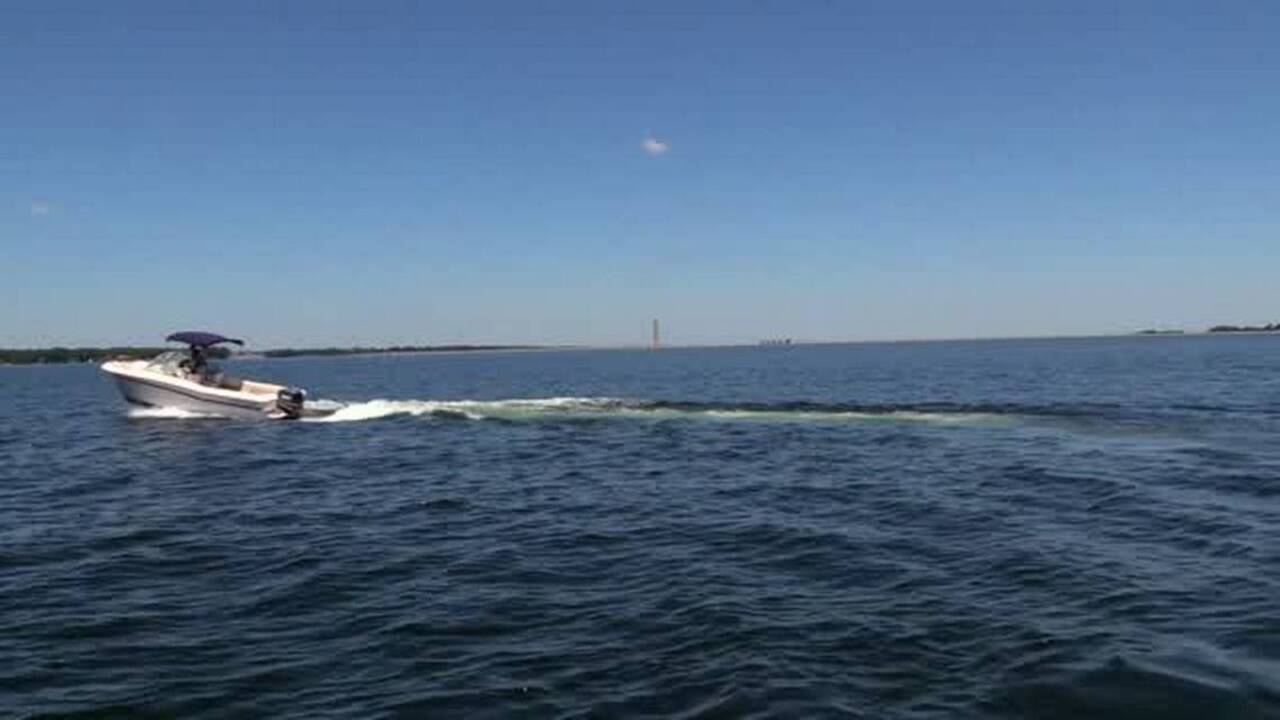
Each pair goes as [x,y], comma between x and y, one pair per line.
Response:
[571,408]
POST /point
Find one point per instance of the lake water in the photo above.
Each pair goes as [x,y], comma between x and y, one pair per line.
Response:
[1053,528]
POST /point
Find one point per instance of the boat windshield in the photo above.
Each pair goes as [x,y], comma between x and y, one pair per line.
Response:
[169,363]
[175,363]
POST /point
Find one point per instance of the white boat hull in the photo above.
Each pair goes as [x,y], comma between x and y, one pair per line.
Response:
[140,387]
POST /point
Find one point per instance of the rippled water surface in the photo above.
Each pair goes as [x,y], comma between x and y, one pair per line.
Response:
[1082,528]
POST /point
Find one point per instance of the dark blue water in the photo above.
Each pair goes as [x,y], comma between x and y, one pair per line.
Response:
[1084,528]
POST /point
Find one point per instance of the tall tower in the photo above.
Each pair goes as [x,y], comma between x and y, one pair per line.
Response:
[656,343]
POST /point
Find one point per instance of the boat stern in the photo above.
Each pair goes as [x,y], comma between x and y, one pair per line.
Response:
[290,402]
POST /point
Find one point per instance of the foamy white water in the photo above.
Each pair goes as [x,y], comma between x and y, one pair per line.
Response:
[580,407]
[470,409]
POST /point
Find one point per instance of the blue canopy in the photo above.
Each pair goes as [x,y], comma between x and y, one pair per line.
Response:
[201,339]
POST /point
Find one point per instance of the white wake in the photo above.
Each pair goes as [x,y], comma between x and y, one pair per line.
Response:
[470,409]
[605,407]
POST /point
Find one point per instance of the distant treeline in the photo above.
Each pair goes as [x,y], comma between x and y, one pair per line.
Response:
[1272,327]
[85,354]
[332,351]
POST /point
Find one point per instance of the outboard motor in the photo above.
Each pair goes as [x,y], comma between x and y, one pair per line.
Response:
[289,401]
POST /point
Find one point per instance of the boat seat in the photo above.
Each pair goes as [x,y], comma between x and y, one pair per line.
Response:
[219,380]
[229,383]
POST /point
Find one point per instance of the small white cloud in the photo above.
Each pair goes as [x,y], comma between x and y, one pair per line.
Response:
[654,146]
[41,208]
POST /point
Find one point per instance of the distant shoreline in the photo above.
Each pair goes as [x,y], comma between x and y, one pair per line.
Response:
[1268,328]
[78,355]
[392,350]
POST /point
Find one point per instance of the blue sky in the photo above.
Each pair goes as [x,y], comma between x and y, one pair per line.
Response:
[375,172]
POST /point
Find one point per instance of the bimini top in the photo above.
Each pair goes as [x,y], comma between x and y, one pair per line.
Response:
[201,339]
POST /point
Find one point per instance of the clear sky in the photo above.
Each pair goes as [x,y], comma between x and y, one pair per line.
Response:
[561,172]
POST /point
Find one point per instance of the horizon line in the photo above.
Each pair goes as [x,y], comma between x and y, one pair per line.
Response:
[517,347]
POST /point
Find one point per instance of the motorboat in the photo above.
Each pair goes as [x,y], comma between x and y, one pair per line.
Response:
[188,381]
